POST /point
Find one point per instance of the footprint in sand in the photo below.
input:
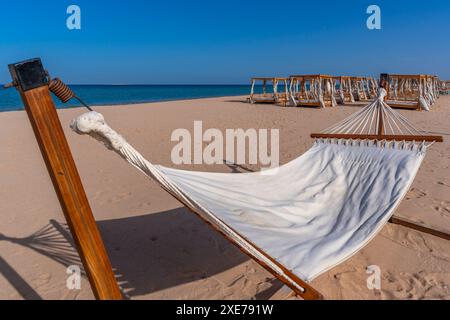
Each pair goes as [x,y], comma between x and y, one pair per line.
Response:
[119,197]
[415,193]
[409,239]
[443,208]
[421,244]
[144,205]
[419,285]
[442,183]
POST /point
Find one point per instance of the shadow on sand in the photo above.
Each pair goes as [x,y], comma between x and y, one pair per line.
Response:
[148,253]
[244,100]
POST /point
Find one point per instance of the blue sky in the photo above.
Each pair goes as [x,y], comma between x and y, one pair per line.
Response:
[224,42]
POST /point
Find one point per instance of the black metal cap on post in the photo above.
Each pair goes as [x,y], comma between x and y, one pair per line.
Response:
[28,74]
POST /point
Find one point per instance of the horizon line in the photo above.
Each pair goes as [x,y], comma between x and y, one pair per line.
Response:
[153,84]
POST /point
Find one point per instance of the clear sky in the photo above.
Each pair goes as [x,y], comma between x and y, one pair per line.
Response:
[224,42]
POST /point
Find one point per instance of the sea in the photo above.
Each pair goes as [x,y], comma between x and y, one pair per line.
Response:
[131,94]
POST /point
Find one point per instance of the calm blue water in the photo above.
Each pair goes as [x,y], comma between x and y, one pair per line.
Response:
[129,94]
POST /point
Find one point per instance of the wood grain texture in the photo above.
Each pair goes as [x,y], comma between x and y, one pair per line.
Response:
[72,197]
[377,137]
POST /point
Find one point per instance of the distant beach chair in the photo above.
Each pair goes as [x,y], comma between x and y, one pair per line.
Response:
[270,92]
[312,91]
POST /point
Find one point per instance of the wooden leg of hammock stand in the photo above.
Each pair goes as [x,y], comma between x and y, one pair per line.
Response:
[419,227]
[284,293]
[32,83]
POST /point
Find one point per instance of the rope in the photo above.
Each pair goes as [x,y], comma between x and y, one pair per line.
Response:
[93,124]
[366,121]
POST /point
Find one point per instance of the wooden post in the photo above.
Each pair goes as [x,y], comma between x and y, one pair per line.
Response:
[286,93]
[385,83]
[32,83]
[419,227]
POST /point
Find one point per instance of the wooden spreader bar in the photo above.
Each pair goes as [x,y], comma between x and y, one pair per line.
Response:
[417,138]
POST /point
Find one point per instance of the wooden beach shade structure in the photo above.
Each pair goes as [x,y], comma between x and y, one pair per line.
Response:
[371,87]
[416,92]
[360,89]
[32,82]
[343,89]
[315,90]
[351,89]
[444,87]
[270,92]
[435,86]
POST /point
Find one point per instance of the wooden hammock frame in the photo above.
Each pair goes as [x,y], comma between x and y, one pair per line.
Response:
[309,292]
[275,97]
[300,95]
[31,80]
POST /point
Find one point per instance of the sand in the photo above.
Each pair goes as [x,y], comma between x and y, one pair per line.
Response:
[161,251]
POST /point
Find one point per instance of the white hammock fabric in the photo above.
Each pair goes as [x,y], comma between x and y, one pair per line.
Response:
[308,215]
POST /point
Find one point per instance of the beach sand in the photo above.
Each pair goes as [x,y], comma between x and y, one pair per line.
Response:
[159,250]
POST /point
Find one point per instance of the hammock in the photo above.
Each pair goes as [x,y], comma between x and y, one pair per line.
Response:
[307,216]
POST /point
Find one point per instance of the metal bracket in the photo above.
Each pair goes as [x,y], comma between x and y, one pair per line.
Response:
[29,74]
